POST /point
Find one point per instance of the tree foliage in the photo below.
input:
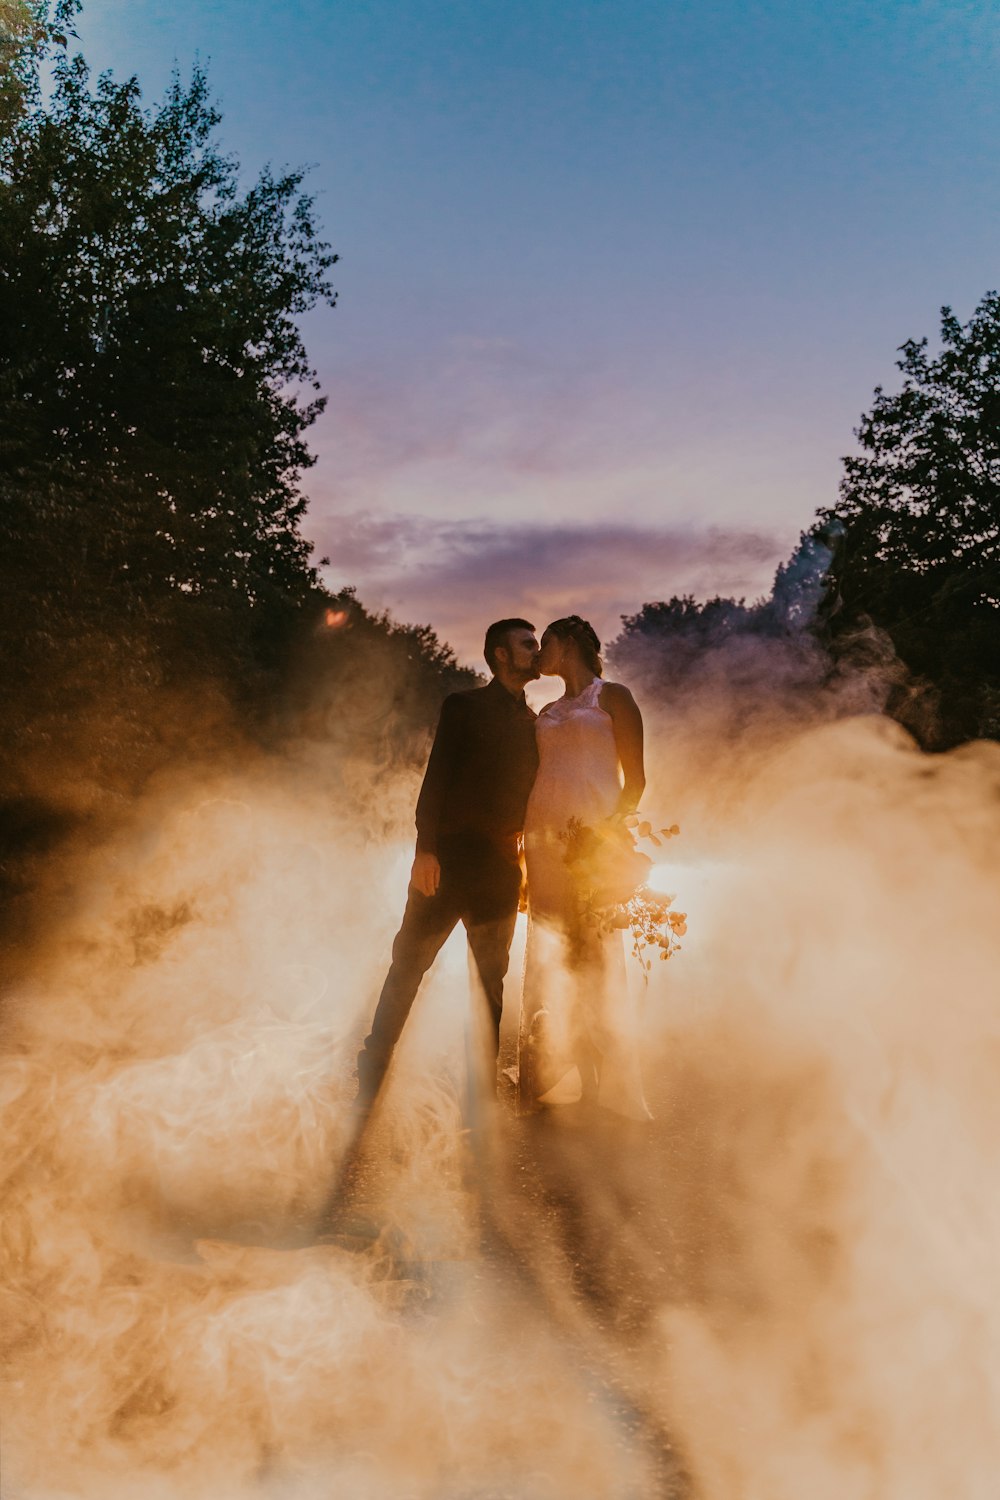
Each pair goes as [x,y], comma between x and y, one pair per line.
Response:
[368,684]
[158,598]
[24,33]
[920,511]
[727,668]
[892,598]
[155,393]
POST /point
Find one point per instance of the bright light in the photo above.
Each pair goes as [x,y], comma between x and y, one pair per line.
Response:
[663,879]
[696,889]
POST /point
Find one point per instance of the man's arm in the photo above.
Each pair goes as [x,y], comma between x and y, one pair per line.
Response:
[426,873]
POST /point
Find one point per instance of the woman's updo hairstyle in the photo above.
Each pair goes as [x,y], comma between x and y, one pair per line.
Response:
[573,628]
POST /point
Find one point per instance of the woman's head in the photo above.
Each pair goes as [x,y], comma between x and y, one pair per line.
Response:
[567,640]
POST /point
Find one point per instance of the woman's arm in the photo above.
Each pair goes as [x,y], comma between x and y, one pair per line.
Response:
[623,710]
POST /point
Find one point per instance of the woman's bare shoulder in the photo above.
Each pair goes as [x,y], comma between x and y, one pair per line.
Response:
[615,692]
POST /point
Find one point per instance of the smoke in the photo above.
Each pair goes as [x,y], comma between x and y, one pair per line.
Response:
[784,1286]
[175,1088]
[725,685]
[835,1120]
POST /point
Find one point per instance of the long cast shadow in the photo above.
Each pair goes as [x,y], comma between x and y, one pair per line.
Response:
[549,1228]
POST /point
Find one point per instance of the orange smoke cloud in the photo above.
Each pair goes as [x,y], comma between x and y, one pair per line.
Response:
[789,1278]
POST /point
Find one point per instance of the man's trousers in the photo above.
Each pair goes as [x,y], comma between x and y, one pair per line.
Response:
[428,922]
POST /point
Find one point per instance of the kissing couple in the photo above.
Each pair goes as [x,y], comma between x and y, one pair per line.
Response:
[501,779]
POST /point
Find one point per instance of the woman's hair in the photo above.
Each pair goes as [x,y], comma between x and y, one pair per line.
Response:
[572,628]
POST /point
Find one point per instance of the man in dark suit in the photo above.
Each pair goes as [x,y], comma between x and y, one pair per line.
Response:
[470,813]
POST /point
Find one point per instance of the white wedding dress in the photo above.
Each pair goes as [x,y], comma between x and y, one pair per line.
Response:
[579,1027]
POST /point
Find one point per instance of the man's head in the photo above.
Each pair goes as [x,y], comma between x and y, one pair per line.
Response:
[511,651]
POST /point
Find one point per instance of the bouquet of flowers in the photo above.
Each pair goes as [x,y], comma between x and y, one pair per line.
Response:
[610,874]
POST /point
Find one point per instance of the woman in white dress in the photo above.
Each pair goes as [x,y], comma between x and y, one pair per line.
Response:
[578,1027]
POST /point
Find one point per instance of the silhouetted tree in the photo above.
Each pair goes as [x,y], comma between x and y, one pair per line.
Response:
[25,31]
[369,684]
[729,665]
[920,508]
[898,584]
[154,396]
[660,645]
[157,595]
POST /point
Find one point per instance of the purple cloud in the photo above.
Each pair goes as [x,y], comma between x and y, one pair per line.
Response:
[458,575]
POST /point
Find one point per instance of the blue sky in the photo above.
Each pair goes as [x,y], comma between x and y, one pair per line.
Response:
[617,280]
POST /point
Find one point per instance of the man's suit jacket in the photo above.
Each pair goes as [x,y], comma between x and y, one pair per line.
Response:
[475,790]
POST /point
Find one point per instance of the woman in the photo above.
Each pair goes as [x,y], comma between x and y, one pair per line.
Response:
[577,1026]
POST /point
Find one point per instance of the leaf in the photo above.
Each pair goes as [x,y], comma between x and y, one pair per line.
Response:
[654,840]
[631,821]
[644,830]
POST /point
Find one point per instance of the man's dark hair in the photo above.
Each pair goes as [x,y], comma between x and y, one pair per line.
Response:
[497,636]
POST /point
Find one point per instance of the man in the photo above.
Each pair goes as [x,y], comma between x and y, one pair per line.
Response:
[470,813]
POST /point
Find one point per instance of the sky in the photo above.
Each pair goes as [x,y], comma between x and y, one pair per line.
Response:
[616,281]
